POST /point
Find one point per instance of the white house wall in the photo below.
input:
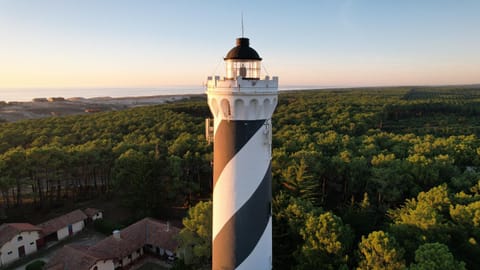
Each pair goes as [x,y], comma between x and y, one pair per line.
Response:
[28,241]
[103,265]
[62,233]
[125,261]
[134,256]
[98,215]
[76,227]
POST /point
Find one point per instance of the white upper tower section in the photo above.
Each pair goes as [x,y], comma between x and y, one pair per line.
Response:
[242,94]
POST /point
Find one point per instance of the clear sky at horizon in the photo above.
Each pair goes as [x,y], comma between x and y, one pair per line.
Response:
[147,43]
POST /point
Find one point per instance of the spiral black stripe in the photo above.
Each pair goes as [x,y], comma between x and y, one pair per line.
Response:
[230,137]
[239,236]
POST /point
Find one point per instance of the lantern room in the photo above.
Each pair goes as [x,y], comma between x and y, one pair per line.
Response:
[243,61]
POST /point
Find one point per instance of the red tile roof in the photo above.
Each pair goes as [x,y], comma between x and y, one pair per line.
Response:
[10,230]
[162,235]
[72,257]
[60,222]
[132,238]
[137,235]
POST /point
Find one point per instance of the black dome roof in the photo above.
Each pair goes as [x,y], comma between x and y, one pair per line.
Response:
[243,51]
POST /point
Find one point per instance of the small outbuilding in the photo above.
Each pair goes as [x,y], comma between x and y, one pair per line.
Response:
[93,214]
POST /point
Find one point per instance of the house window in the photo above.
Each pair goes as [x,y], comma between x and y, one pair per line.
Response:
[129,257]
[20,238]
[95,268]
[10,253]
[31,243]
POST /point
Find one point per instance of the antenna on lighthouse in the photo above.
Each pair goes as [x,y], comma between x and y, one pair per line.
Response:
[242,25]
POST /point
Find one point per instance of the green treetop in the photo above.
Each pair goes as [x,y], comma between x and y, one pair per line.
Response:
[380,251]
[435,256]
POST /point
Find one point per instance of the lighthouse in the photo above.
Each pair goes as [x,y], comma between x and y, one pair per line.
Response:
[242,104]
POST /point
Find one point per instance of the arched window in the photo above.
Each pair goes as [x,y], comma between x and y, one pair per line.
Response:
[20,238]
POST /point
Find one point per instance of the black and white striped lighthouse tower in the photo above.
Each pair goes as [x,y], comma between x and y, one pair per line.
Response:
[242,104]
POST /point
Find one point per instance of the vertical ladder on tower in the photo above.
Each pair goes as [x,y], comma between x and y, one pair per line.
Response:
[209,130]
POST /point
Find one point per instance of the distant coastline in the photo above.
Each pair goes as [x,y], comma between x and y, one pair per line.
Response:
[28,94]
[59,106]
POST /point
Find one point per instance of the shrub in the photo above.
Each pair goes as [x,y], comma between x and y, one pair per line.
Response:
[36,265]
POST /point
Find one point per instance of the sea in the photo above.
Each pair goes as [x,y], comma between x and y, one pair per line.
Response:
[27,94]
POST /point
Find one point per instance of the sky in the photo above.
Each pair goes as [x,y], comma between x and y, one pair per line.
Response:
[147,43]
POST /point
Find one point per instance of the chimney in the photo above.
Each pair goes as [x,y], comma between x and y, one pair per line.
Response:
[116,234]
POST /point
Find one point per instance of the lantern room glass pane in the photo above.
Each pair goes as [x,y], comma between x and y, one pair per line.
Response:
[247,69]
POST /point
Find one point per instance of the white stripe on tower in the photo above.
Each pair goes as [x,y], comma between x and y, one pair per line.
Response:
[250,165]
[258,254]
[242,195]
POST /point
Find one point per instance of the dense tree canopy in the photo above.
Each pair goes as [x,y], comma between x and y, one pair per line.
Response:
[137,154]
[346,163]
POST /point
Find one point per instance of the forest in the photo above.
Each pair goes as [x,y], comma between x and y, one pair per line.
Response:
[373,178]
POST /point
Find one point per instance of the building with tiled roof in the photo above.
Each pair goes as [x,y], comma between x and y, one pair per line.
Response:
[17,240]
[63,226]
[121,248]
[162,235]
[77,258]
